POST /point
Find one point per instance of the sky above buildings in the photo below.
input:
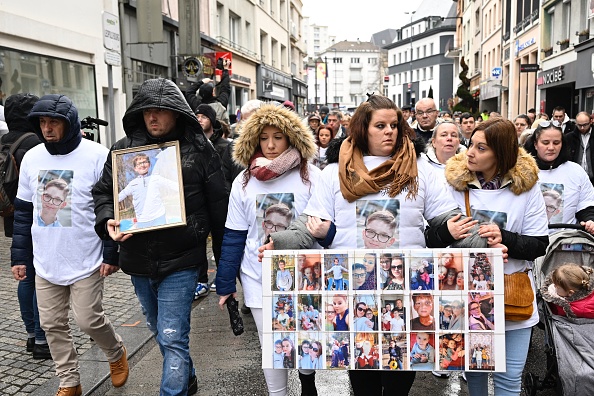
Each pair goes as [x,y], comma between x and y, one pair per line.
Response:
[358,19]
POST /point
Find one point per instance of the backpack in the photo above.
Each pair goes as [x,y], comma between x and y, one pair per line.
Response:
[9,175]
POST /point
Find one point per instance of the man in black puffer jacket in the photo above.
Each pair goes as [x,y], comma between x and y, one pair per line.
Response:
[164,263]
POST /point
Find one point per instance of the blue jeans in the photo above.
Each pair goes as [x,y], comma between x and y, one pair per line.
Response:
[167,304]
[28,304]
[508,383]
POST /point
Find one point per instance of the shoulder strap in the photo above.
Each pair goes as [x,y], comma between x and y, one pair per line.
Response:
[467,202]
[14,146]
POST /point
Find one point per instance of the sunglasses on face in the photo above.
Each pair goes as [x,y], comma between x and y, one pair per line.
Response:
[315,349]
[361,309]
[398,267]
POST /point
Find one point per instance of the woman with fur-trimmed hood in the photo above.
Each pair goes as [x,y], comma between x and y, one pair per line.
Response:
[275,147]
[501,181]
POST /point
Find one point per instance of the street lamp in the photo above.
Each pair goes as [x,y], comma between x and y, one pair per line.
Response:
[411,13]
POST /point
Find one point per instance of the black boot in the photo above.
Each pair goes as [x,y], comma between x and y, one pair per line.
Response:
[308,384]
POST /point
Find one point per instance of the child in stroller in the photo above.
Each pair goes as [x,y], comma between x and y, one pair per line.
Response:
[569,291]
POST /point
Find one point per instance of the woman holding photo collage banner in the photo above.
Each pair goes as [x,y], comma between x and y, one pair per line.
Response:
[275,147]
[501,181]
[378,162]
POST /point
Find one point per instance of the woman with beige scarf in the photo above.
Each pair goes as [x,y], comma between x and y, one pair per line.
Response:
[378,165]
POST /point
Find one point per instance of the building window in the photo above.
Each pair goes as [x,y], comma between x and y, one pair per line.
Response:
[431,49]
[234,28]
[399,58]
[431,73]
[337,60]
[355,60]
[424,51]
[372,61]
[424,74]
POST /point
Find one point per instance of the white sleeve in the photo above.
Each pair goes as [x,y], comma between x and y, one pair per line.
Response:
[535,214]
[237,214]
[438,199]
[322,201]
[25,191]
[586,198]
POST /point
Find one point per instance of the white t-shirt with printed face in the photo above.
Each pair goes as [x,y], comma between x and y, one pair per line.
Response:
[524,214]
[575,190]
[64,255]
[432,200]
[241,216]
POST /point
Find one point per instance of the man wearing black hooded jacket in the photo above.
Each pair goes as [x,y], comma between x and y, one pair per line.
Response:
[164,263]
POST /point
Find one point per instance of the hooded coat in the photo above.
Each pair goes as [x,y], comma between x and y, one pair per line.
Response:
[243,230]
[16,110]
[579,305]
[158,253]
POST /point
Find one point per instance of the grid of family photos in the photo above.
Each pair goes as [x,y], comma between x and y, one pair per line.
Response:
[425,309]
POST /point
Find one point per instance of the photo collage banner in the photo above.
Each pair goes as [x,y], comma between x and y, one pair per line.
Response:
[406,309]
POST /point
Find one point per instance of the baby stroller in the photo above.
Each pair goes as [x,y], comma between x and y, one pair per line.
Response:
[568,342]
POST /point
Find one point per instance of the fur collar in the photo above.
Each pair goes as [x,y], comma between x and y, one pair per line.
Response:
[520,179]
[549,295]
[286,120]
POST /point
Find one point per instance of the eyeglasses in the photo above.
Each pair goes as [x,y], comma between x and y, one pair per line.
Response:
[398,267]
[54,201]
[587,124]
[359,275]
[361,309]
[421,113]
[546,124]
[315,349]
[474,307]
[382,238]
[551,209]
[305,346]
[277,227]
[143,163]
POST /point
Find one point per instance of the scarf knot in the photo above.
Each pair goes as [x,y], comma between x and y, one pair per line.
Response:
[264,169]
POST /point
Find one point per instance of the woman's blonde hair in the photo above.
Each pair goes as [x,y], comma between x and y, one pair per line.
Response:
[571,276]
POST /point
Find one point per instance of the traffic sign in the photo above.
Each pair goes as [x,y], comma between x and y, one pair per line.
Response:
[111,32]
[496,72]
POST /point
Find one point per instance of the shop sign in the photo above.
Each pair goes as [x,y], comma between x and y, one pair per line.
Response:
[552,76]
[523,46]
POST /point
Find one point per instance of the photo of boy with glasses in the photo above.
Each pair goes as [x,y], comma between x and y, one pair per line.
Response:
[54,198]
[377,224]
[274,212]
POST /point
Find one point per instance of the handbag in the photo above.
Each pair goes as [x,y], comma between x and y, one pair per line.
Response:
[518,294]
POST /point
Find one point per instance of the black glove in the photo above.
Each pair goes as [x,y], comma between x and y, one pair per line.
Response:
[234,317]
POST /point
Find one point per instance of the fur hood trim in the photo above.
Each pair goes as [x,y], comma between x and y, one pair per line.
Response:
[286,120]
[520,179]
[549,294]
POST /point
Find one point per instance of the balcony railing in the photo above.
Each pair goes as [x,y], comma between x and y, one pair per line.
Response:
[237,47]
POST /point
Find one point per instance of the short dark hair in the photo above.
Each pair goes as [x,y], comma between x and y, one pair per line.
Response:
[533,110]
[466,115]
[503,140]
[559,108]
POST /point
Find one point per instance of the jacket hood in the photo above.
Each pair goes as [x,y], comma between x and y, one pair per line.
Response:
[16,109]
[563,157]
[284,119]
[57,106]
[520,178]
[550,295]
[432,157]
[163,94]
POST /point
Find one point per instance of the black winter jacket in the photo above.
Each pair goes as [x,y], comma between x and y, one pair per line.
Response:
[16,109]
[158,253]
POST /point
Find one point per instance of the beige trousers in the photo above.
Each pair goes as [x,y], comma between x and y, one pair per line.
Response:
[85,297]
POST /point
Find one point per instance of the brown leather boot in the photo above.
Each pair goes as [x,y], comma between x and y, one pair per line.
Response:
[119,370]
[70,391]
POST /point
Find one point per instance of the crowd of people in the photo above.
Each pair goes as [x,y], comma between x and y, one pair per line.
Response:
[491,191]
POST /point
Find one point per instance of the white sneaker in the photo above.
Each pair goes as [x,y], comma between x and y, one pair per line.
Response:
[201,290]
[464,376]
[441,374]
[213,287]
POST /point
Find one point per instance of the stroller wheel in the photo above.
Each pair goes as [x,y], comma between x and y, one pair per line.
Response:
[530,384]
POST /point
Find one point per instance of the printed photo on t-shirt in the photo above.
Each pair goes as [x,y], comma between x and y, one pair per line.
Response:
[553,197]
[490,217]
[54,197]
[274,212]
[377,224]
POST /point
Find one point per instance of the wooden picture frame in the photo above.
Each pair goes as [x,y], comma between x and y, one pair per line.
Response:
[148,188]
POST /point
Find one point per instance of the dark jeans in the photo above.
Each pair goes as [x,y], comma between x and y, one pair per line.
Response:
[381,383]
[28,304]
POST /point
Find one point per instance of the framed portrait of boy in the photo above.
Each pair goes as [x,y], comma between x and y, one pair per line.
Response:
[148,188]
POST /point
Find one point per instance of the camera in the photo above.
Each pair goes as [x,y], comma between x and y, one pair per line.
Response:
[221,63]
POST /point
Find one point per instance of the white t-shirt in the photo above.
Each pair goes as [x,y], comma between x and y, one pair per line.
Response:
[241,216]
[432,200]
[64,255]
[397,324]
[573,185]
[524,214]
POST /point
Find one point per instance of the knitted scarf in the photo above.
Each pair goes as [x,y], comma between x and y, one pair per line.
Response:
[396,174]
[264,169]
